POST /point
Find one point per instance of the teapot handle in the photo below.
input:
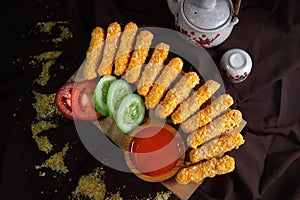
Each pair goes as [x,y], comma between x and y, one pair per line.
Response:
[174,5]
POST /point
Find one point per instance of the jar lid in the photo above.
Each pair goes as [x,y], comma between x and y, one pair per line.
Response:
[207,14]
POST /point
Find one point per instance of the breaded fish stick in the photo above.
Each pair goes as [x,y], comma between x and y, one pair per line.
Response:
[139,55]
[193,103]
[123,54]
[222,124]
[177,94]
[161,85]
[93,55]
[216,147]
[205,115]
[110,48]
[153,68]
[210,168]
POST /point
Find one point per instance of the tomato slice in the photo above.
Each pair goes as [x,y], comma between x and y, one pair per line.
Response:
[82,102]
[63,100]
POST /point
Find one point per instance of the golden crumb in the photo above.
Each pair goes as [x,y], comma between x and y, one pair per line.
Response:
[163,195]
[65,34]
[44,75]
[41,126]
[45,105]
[43,143]
[91,186]
[116,196]
[56,161]
[42,173]
[46,27]
[48,55]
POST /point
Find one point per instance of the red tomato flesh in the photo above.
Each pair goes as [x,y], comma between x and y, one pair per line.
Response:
[82,100]
[63,100]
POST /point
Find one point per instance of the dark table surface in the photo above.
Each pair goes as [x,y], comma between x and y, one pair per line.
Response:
[267,165]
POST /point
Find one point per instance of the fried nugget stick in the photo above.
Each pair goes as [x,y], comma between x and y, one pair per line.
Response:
[222,124]
[93,55]
[123,54]
[193,103]
[205,115]
[139,55]
[161,85]
[110,48]
[153,68]
[177,94]
[216,147]
[210,168]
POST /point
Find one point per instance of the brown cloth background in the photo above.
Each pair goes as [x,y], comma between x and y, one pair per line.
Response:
[267,165]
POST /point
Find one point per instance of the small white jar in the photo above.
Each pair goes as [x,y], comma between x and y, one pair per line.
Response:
[235,65]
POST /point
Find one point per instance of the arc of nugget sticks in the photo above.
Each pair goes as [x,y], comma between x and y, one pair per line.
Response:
[110,48]
[124,52]
[193,103]
[216,147]
[207,114]
[139,55]
[93,55]
[220,125]
[210,168]
[177,94]
[153,68]
[161,85]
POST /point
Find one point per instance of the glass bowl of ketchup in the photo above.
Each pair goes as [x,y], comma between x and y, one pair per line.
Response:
[155,151]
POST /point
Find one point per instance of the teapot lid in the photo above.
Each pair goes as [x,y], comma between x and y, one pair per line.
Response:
[207,14]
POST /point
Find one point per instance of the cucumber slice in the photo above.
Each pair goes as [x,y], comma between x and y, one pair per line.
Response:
[100,94]
[131,113]
[116,93]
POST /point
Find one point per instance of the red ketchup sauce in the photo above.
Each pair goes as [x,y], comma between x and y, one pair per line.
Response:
[154,151]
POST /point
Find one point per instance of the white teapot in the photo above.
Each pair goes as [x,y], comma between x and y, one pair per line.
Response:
[204,22]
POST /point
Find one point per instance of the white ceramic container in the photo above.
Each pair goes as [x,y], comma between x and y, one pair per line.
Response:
[235,65]
[204,22]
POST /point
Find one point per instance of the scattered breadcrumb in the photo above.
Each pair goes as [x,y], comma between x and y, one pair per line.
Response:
[64,35]
[116,196]
[46,27]
[91,186]
[45,105]
[42,173]
[47,55]
[44,75]
[41,126]
[56,161]
[43,143]
[163,195]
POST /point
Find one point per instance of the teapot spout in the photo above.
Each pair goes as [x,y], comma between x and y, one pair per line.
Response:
[174,6]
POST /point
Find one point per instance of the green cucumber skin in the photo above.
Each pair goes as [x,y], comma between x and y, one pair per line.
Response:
[131,103]
[117,91]
[100,103]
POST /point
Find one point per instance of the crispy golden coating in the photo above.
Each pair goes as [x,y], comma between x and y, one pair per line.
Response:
[153,68]
[202,170]
[193,103]
[93,55]
[124,52]
[216,147]
[177,94]
[205,115]
[139,55]
[110,49]
[222,124]
[161,85]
